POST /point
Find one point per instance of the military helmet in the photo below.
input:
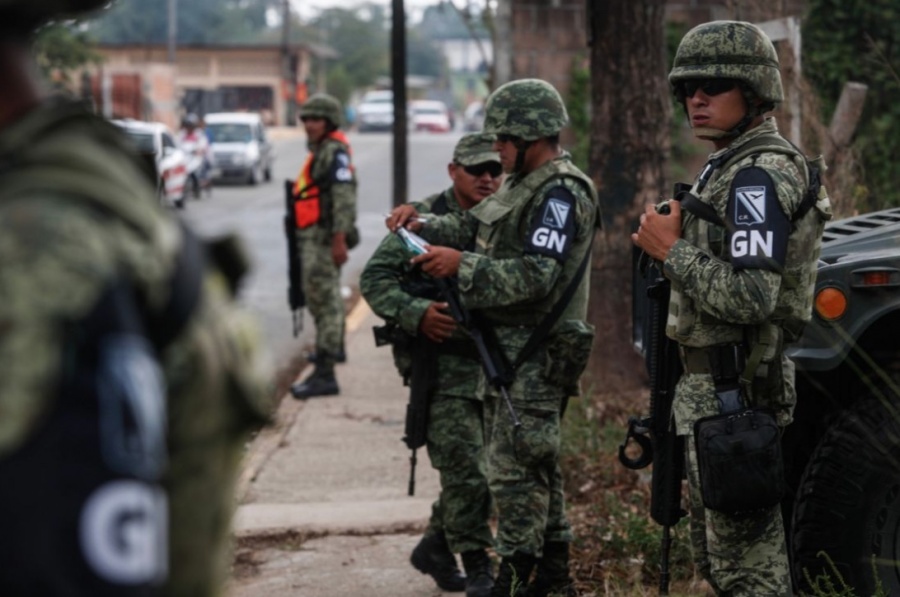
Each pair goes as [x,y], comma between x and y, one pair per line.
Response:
[526,108]
[730,50]
[28,14]
[322,105]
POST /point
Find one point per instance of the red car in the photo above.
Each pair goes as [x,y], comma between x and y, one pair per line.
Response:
[431,116]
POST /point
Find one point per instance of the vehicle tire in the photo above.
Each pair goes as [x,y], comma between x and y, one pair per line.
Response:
[253,177]
[267,173]
[194,183]
[848,502]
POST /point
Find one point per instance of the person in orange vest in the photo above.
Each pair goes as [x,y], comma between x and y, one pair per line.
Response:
[325,214]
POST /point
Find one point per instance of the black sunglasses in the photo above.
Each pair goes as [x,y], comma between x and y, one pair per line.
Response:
[504,138]
[709,87]
[305,118]
[492,168]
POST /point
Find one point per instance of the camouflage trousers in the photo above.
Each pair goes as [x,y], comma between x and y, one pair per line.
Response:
[523,463]
[456,450]
[740,556]
[322,286]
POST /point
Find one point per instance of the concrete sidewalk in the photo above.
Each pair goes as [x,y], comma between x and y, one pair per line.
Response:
[324,509]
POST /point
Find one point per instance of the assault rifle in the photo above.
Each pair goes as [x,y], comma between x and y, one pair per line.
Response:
[493,362]
[296,297]
[655,435]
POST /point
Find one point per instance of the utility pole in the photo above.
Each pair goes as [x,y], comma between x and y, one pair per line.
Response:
[173,29]
[289,67]
[398,75]
[502,43]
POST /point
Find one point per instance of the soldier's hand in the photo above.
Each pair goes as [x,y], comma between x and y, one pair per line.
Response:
[439,262]
[403,216]
[339,251]
[436,324]
[658,232]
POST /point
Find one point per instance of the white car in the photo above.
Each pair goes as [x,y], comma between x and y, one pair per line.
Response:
[156,139]
[240,146]
[430,115]
[376,111]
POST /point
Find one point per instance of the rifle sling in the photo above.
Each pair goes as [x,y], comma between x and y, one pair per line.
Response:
[543,329]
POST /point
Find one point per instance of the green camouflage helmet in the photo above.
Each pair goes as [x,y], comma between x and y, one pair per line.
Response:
[730,50]
[322,105]
[528,108]
[29,14]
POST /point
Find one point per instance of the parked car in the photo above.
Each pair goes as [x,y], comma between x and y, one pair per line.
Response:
[156,140]
[376,111]
[430,115]
[240,147]
[473,117]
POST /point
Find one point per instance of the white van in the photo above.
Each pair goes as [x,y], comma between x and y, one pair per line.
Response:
[240,148]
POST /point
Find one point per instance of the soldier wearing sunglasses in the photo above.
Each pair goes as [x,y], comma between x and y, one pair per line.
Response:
[412,301]
[739,247]
[527,276]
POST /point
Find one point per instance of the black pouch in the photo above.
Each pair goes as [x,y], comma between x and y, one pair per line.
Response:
[739,456]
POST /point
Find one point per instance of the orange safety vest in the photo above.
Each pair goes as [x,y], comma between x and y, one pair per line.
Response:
[307,207]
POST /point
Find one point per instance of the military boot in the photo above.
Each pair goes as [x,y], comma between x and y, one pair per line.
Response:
[339,357]
[479,577]
[552,574]
[515,570]
[321,382]
[432,556]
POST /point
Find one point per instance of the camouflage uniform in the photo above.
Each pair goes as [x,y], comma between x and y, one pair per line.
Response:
[321,277]
[724,293]
[455,436]
[88,264]
[515,284]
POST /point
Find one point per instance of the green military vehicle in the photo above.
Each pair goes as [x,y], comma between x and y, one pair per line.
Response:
[842,453]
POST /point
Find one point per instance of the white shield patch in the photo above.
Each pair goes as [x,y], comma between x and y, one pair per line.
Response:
[750,209]
[556,213]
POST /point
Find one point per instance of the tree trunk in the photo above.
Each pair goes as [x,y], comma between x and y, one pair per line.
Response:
[631,112]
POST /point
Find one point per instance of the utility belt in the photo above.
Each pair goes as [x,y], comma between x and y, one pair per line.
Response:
[738,450]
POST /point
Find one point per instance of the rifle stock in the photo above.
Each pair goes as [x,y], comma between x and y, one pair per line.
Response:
[296,296]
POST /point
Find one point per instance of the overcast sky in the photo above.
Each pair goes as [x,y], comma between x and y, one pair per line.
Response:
[309,8]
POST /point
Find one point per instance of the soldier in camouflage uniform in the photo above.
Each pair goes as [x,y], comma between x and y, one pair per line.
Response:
[742,275]
[128,378]
[402,295]
[532,247]
[326,219]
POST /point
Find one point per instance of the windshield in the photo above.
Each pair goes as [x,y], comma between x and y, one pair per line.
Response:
[229,133]
[428,110]
[144,141]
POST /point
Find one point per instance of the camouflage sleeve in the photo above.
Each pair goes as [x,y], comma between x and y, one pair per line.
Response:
[53,267]
[487,282]
[334,166]
[455,229]
[747,296]
[380,286]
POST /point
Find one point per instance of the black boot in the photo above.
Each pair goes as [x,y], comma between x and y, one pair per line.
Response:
[479,577]
[552,575]
[321,382]
[339,357]
[515,570]
[432,556]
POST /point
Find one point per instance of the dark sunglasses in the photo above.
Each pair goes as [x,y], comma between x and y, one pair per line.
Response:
[306,118]
[709,87]
[492,168]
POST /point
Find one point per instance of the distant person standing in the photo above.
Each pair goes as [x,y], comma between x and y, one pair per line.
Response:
[325,215]
[433,348]
[129,379]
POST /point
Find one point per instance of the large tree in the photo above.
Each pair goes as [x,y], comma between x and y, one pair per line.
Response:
[631,112]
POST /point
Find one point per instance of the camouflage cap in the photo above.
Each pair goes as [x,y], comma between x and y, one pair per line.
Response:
[526,108]
[29,14]
[730,50]
[321,105]
[475,148]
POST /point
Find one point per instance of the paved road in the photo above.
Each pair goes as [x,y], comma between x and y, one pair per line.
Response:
[324,509]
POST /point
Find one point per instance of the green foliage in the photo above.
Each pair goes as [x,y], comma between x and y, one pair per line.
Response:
[361,40]
[859,40]
[832,584]
[444,21]
[578,107]
[59,50]
[339,84]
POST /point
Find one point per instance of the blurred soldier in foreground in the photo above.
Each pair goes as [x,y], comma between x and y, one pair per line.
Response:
[527,276]
[740,247]
[325,210]
[128,377]
[431,347]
